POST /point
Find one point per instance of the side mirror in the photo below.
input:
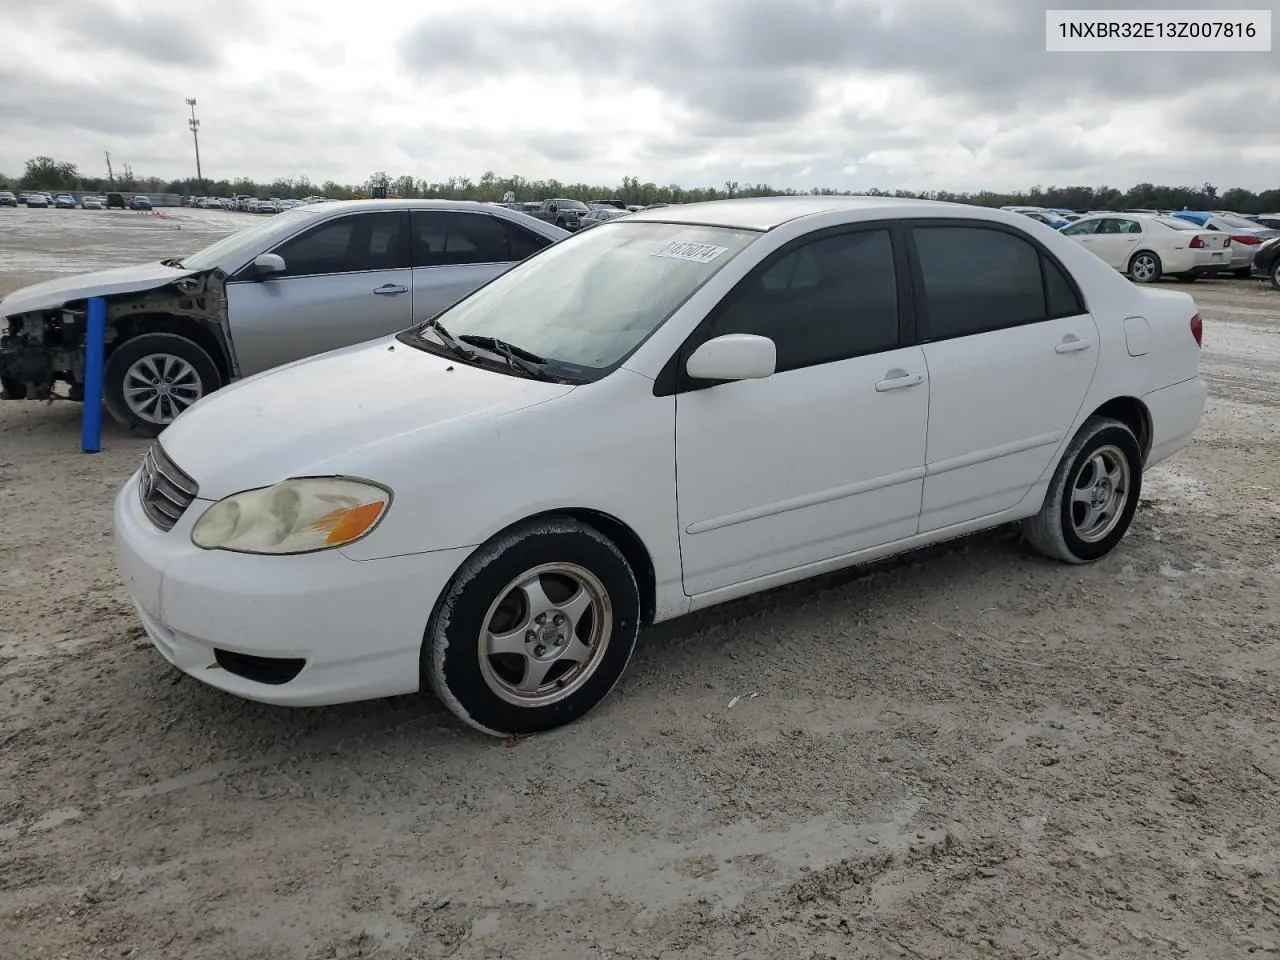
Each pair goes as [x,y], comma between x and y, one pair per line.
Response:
[734,356]
[267,264]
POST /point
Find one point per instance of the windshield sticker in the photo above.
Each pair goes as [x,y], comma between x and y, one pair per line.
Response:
[693,252]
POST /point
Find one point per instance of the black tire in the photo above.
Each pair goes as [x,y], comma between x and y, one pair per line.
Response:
[13,389]
[1275,274]
[1244,273]
[467,681]
[1137,271]
[158,345]
[1054,531]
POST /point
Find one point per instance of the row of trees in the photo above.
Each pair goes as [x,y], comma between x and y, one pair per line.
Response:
[46,173]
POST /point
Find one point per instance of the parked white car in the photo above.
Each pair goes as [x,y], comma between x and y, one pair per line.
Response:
[1148,247]
[92,203]
[297,284]
[661,413]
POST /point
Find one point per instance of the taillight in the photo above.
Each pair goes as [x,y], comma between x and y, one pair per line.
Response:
[1197,330]
[1247,239]
[1196,243]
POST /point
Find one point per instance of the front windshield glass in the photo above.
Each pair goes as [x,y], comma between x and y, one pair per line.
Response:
[242,243]
[591,299]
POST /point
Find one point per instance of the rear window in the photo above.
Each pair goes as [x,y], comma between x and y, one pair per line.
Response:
[1177,223]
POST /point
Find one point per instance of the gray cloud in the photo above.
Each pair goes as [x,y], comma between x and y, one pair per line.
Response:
[747,61]
[118,112]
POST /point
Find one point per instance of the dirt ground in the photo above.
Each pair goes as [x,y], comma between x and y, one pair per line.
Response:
[969,753]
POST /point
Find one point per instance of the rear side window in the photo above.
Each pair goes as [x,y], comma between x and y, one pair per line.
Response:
[978,279]
[447,238]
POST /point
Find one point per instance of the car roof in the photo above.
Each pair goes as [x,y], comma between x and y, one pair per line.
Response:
[765,213]
[393,204]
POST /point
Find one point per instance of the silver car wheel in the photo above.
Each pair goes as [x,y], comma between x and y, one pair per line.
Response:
[160,386]
[1143,268]
[1099,493]
[545,634]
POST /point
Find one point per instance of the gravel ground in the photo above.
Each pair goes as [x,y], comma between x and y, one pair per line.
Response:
[969,753]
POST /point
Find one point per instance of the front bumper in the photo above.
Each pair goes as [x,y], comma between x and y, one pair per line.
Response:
[358,625]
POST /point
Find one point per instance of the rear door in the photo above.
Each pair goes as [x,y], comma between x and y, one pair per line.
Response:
[1011,352]
[346,280]
[1116,240]
[455,251]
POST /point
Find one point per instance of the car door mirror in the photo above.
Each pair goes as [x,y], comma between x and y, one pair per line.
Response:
[734,356]
[267,265]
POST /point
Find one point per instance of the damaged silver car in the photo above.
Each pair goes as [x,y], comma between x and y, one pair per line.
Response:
[313,279]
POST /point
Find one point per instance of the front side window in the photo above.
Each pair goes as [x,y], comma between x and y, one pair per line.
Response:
[356,243]
[978,279]
[586,302]
[831,299]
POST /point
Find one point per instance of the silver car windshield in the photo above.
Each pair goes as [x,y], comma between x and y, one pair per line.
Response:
[591,299]
[242,243]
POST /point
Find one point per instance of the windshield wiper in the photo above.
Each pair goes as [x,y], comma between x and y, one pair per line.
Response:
[172,262]
[448,339]
[517,358]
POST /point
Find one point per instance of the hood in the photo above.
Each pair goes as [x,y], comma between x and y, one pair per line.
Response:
[53,294]
[336,413]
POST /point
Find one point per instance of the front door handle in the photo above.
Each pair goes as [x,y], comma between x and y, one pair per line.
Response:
[1072,344]
[391,290]
[898,380]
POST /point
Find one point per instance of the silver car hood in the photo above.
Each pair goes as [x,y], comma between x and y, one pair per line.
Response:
[53,294]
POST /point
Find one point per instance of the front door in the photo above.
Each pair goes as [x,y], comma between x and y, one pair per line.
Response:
[1011,353]
[824,458]
[346,280]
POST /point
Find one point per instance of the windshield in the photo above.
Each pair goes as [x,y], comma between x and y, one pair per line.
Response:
[1177,223]
[570,204]
[591,299]
[243,242]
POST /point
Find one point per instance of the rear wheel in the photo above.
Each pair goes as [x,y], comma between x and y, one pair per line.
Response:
[534,630]
[1243,273]
[1145,267]
[149,380]
[1092,496]
[1275,274]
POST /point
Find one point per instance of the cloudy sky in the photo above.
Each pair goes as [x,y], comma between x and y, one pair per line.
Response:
[914,94]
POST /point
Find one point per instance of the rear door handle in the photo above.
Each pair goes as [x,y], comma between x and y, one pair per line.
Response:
[391,290]
[898,380]
[1073,344]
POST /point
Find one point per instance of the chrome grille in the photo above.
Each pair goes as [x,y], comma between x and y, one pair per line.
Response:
[165,491]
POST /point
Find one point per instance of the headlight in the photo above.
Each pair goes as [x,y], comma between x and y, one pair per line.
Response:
[295,516]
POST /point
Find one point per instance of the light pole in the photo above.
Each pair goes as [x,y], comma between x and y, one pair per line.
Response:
[194,124]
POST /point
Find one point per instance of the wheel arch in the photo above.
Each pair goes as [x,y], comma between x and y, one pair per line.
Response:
[204,337]
[1134,414]
[1139,252]
[621,535]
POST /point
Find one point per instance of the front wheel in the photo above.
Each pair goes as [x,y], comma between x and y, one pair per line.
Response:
[1145,267]
[149,380]
[1092,496]
[534,630]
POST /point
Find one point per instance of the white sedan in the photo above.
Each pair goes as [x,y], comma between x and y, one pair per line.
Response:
[1148,247]
[684,406]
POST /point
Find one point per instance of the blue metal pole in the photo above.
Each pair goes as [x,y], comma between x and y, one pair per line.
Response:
[95,336]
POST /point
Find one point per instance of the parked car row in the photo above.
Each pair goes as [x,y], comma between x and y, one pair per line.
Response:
[66,201]
[672,409]
[1187,244]
[249,204]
